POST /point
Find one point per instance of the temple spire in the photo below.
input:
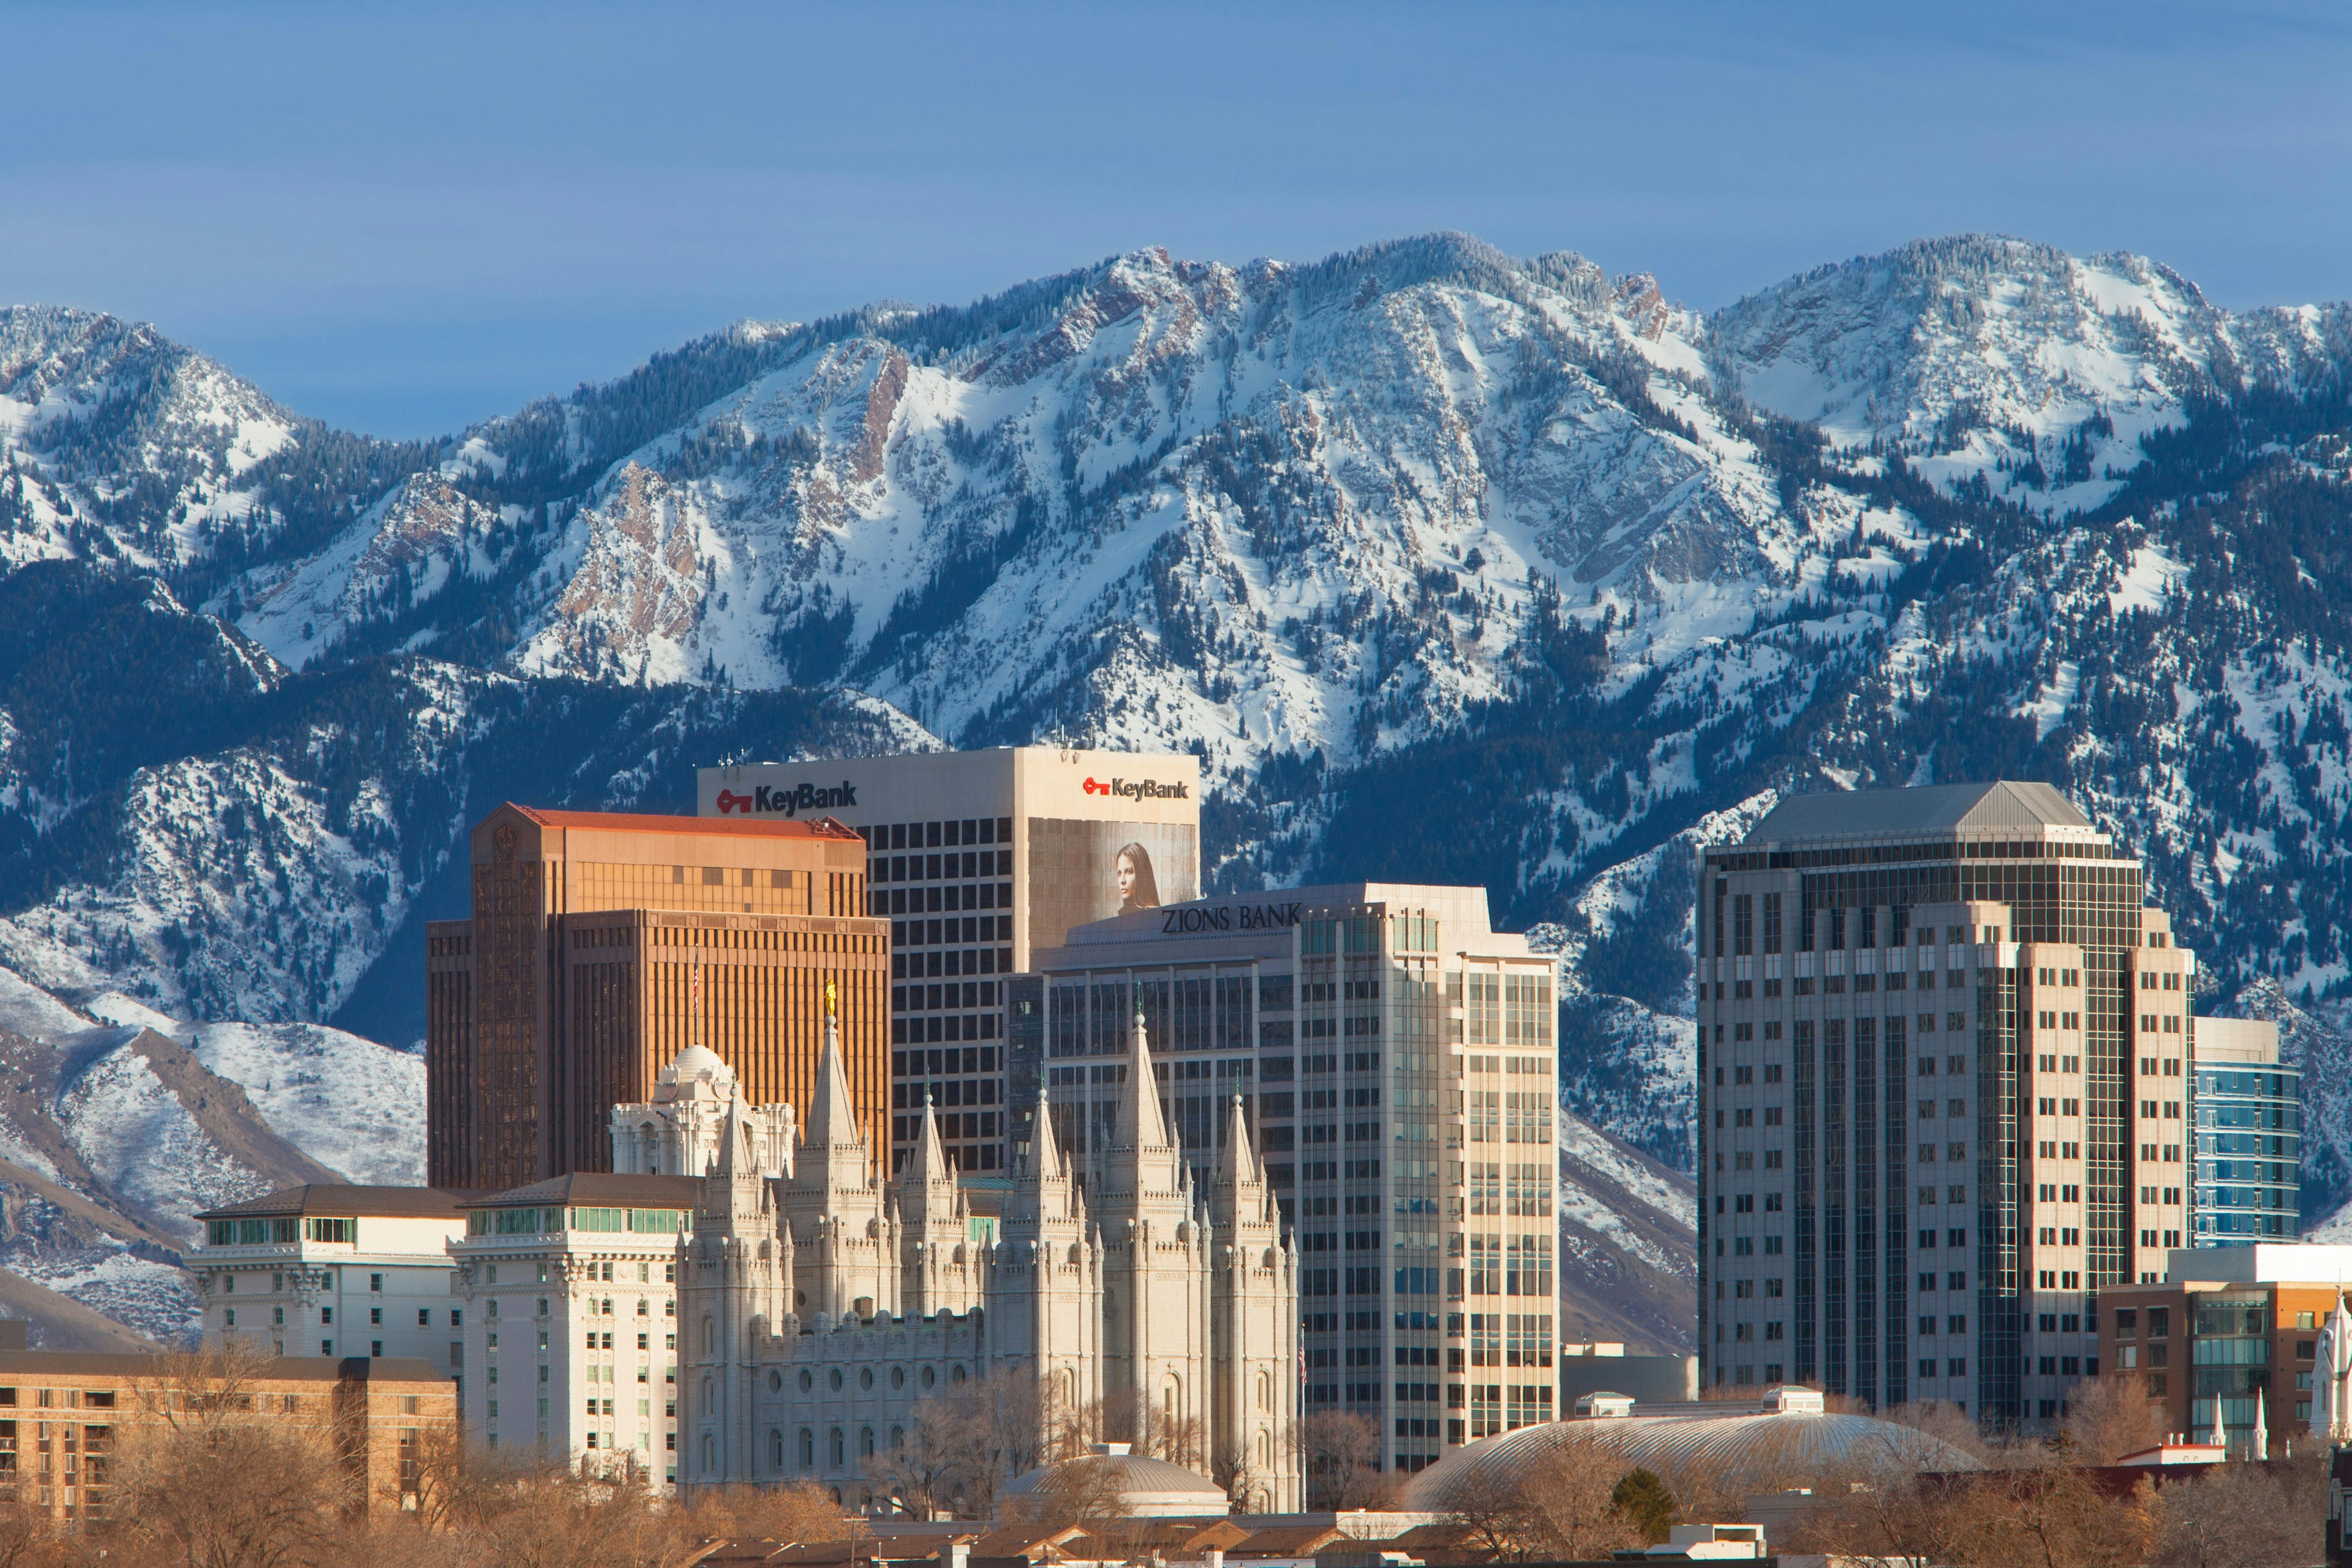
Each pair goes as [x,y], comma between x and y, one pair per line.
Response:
[730,1140]
[1045,1150]
[832,1132]
[926,1163]
[1140,1125]
[1238,1168]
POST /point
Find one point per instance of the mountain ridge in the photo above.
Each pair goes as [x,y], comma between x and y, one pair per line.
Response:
[1450,565]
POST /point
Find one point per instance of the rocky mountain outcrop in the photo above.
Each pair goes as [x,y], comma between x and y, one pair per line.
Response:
[1450,565]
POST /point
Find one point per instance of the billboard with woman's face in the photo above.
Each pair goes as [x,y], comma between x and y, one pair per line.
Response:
[1081,872]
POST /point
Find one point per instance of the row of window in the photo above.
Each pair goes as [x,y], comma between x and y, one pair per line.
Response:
[938,835]
[953,961]
[277,1230]
[941,867]
[951,930]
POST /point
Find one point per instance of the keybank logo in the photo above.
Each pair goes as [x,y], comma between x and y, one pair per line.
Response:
[1137,789]
[791,802]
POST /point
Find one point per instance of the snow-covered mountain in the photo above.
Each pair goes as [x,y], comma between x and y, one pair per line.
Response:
[1449,565]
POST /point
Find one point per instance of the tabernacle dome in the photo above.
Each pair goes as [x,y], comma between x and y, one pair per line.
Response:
[1788,1427]
[1147,1488]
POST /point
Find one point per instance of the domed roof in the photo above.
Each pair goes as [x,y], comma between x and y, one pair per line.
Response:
[697,1061]
[1147,1488]
[1798,1434]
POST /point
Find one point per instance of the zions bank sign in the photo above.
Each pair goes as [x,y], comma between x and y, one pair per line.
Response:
[1223,918]
[789,801]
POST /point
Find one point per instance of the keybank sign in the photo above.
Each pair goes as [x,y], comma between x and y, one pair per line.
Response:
[1137,789]
[1193,921]
[789,801]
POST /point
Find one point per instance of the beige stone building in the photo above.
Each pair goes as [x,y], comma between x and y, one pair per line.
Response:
[66,1416]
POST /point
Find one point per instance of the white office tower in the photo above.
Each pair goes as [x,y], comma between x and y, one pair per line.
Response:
[975,858]
[1943,1097]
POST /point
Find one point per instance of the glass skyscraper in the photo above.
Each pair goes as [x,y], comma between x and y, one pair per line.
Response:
[2249,1135]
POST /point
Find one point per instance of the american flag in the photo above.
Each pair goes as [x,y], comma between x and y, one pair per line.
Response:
[694,1009]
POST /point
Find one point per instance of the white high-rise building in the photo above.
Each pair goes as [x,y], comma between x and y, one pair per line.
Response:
[975,858]
[334,1270]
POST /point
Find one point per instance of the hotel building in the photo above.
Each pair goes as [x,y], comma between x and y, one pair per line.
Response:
[1943,1084]
[1395,1060]
[603,944]
[976,858]
[333,1271]
[569,1289]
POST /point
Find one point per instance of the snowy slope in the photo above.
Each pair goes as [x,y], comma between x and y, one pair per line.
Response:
[355,1106]
[1984,355]
[1450,564]
[1628,1245]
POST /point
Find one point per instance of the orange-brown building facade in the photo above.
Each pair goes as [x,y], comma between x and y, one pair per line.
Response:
[603,943]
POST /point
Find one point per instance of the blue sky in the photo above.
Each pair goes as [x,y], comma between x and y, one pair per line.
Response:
[403,218]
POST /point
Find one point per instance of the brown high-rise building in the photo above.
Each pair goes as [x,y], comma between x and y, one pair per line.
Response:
[601,944]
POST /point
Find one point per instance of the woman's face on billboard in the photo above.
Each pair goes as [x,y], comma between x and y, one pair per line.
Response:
[1126,875]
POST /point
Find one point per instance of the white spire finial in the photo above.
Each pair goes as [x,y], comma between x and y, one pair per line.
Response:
[1140,1123]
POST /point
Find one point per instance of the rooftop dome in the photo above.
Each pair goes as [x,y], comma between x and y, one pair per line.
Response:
[695,1062]
[1798,1433]
[1147,1488]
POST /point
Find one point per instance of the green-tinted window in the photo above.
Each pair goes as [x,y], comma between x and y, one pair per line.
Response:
[600,1219]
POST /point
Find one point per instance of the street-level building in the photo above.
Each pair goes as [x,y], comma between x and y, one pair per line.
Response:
[1394,1055]
[2249,1135]
[601,944]
[66,1417]
[330,1271]
[1943,1056]
[2230,1335]
[976,858]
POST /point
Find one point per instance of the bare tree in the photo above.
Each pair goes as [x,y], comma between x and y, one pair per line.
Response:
[2245,1516]
[1895,1520]
[212,1476]
[1088,1492]
[1340,1456]
[27,1540]
[2107,1417]
[1942,1421]
[1230,1468]
[2053,1514]
[1497,1525]
[1562,1506]
[945,1450]
[801,1514]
